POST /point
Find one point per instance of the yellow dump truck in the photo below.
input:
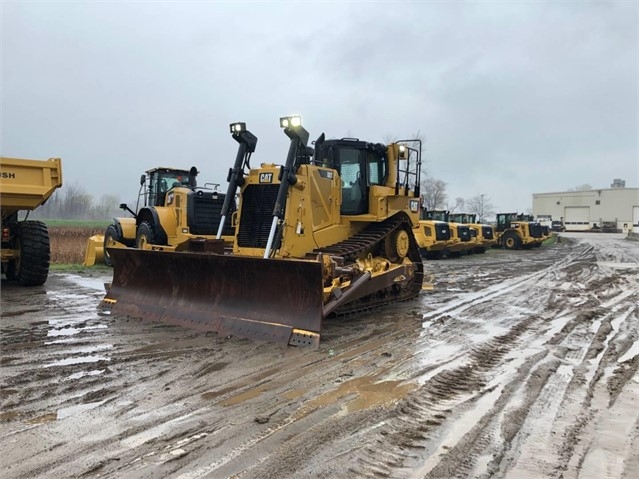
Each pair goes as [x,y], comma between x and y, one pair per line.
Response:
[25,185]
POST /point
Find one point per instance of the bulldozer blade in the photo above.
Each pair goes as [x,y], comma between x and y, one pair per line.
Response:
[274,300]
[94,253]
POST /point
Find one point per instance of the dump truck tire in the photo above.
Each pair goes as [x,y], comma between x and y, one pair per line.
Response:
[111,233]
[511,240]
[145,235]
[32,266]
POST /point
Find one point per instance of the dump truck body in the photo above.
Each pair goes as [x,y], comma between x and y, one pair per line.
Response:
[26,184]
[317,236]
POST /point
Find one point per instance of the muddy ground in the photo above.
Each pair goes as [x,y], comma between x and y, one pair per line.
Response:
[517,364]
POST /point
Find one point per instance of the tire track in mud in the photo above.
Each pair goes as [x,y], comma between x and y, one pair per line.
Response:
[456,381]
[395,466]
[188,414]
[588,336]
[281,412]
[460,379]
[447,385]
[226,466]
[421,415]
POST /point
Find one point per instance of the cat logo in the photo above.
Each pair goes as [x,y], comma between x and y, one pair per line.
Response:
[414,205]
[266,177]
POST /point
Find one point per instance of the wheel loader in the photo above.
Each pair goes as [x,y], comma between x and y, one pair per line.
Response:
[517,231]
[176,213]
[484,235]
[433,237]
[535,228]
[462,240]
[329,232]
[24,185]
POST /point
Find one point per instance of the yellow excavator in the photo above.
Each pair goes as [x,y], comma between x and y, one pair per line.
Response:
[330,232]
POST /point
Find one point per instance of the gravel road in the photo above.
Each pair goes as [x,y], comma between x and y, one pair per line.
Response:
[518,364]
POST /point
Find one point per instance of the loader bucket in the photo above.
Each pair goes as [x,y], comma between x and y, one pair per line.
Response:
[94,253]
[269,299]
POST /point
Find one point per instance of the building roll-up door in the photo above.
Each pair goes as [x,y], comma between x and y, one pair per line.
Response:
[577,218]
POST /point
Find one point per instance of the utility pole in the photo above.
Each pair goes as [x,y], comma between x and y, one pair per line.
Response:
[481,213]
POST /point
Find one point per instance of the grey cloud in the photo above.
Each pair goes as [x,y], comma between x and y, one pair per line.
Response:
[513,98]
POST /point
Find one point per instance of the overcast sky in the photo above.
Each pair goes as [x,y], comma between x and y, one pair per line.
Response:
[512,98]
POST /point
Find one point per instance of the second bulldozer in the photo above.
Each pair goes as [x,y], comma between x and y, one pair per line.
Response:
[328,232]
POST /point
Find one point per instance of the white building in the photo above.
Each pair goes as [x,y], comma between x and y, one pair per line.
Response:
[611,208]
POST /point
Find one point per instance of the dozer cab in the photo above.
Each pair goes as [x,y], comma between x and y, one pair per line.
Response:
[483,235]
[328,232]
[176,214]
[517,231]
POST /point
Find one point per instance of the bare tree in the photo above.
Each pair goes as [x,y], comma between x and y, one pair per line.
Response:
[481,206]
[106,208]
[433,193]
[73,202]
[76,203]
[457,207]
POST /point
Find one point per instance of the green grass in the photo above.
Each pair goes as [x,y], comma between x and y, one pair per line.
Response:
[78,223]
[73,268]
[550,240]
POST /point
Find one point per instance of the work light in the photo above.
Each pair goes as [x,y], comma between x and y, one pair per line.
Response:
[290,121]
[238,128]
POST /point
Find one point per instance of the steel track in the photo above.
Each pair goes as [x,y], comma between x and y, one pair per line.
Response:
[371,239]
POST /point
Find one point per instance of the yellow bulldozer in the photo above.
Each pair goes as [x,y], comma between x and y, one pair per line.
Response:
[329,232]
[176,214]
[24,185]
